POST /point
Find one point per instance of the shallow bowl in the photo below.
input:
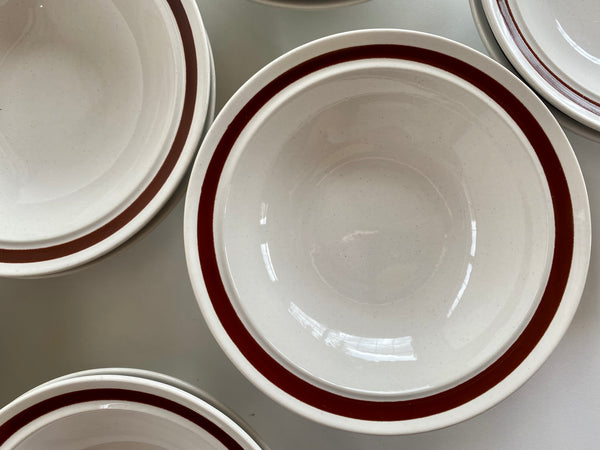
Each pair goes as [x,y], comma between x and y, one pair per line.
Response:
[556,49]
[495,51]
[112,410]
[387,231]
[168,380]
[103,107]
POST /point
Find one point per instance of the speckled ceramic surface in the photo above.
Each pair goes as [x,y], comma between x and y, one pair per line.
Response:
[495,51]
[555,48]
[121,409]
[168,380]
[97,130]
[347,244]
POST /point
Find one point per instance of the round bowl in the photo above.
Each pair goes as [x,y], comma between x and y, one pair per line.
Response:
[116,411]
[170,204]
[168,380]
[555,49]
[103,108]
[387,231]
[495,51]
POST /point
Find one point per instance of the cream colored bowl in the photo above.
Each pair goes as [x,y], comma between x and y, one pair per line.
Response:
[103,107]
[118,409]
[387,231]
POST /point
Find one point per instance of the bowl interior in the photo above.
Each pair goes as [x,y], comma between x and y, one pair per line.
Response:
[566,38]
[383,229]
[91,92]
[116,425]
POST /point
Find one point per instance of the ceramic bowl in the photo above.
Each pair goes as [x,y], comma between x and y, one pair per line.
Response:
[495,51]
[103,108]
[555,48]
[386,231]
[171,203]
[168,380]
[111,410]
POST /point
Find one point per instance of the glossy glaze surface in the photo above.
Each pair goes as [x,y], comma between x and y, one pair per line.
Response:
[171,381]
[137,308]
[90,105]
[567,38]
[113,425]
[495,51]
[117,408]
[131,82]
[229,263]
[556,49]
[358,235]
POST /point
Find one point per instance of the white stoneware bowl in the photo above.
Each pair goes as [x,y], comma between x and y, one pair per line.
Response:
[556,48]
[103,107]
[168,380]
[387,231]
[105,409]
[495,51]
[171,202]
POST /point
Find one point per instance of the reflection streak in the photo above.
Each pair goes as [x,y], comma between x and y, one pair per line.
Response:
[465,282]
[264,249]
[264,208]
[366,348]
[575,45]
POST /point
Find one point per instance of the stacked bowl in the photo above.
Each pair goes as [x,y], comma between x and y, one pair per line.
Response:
[104,105]
[120,408]
[554,49]
[386,231]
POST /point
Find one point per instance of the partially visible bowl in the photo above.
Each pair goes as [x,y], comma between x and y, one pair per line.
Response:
[387,231]
[495,51]
[555,49]
[103,108]
[111,410]
[168,380]
[170,204]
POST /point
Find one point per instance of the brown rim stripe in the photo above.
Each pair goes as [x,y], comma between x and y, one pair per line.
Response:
[36,411]
[540,67]
[98,235]
[451,398]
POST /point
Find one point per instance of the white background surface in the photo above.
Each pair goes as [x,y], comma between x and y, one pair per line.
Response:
[137,309]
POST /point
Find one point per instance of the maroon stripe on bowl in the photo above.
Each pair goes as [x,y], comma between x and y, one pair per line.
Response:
[468,390]
[76,245]
[15,423]
[539,66]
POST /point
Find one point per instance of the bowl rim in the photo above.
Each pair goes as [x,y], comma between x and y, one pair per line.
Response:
[233,264]
[104,237]
[168,380]
[130,386]
[495,51]
[531,66]
[542,334]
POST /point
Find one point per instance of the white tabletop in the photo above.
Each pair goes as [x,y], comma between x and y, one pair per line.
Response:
[137,309]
